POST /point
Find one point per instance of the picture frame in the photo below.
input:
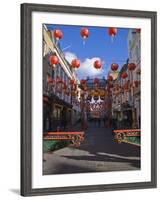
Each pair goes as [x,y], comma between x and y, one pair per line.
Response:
[27,11]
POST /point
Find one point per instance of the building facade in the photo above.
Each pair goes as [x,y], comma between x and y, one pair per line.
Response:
[126,90]
[134,54]
[61,107]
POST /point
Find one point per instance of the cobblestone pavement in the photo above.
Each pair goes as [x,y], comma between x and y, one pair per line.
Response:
[97,153]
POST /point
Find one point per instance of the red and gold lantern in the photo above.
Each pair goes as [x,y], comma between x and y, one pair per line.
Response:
[114,66]
[75,63]
[84,32]
[131,66]
[124,75]
[57,34]
[54,60]
[97,64]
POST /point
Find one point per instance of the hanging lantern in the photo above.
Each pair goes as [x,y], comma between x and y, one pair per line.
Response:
[136,83]
[114,66]
[97,64]
[71,81]
[131,66]
[50,80]
[82,82]
[110,78]
[124,75]
[138,30]
[54,60]
[57,34]
[112,32]
[58,79]
[84,32]
[75,63]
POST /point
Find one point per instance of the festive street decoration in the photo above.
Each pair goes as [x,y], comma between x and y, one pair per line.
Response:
[64,86]
[124,75]
[71,81]
[138,30]
[110,78]
[114,66]
[97,64]
[75,63]
[54,60]
[49,80]
[82,82]
[131,66]
[136,83]
[58,79]
[112,32]
[57,34]
[84,32]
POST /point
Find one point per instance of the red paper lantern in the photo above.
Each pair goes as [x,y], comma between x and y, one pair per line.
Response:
[58,34]
[54,60]
[112,31]
[50,80]
[75,63]
[136,83]
[71,81]
[98,64]
[84,32]
[124,75]
[64,86]
[114,66]
[131,66]
[110,78]
[138,30]
[82,82]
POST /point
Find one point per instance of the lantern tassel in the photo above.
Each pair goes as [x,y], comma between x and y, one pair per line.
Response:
[112,38]
[84,42]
